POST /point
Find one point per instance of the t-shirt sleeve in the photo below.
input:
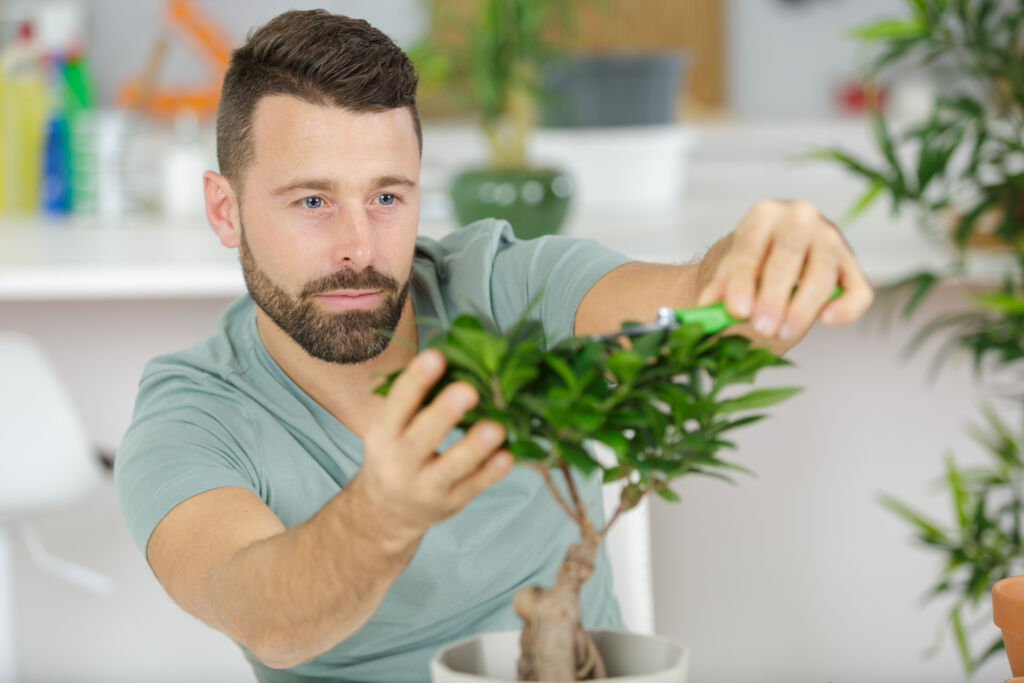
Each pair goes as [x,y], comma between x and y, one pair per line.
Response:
[491,271]
[183,441]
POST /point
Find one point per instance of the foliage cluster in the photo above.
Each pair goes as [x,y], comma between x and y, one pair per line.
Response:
[966,162]
[966,156]
[660,401]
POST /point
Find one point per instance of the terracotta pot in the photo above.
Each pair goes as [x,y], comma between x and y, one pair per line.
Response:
[1008,614]
[629,658]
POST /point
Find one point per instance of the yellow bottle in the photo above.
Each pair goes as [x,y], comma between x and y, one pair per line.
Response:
[23,107]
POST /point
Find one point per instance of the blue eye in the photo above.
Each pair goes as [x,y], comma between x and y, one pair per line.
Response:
[312,202]
[389,197]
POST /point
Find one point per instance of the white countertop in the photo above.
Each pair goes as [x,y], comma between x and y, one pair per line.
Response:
[139,258]
[80,260]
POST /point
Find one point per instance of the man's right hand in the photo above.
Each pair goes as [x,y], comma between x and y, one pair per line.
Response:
[403,477]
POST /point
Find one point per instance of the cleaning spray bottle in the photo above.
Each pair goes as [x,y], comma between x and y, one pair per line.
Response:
[56,181]
[22,117]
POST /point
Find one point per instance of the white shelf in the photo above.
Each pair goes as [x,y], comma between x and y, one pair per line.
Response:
[731,166]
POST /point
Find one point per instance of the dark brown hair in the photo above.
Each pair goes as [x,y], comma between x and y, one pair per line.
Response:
[323,58]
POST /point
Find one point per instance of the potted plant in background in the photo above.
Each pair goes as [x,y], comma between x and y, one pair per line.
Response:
[493,50]
[963,168]
[662,404]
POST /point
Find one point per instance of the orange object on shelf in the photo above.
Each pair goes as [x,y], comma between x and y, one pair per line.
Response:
[1008,615]
[212,43]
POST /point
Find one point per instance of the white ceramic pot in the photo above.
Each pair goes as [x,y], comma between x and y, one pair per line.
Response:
[628,657]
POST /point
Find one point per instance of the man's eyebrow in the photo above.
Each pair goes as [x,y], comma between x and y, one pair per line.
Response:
[388,180]
[320,184]
[326,185]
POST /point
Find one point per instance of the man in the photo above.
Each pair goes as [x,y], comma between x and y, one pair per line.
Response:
[340,535]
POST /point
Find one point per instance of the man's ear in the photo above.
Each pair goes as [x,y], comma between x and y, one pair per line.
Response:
[222,209]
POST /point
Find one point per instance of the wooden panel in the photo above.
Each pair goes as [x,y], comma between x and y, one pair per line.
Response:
[695,26]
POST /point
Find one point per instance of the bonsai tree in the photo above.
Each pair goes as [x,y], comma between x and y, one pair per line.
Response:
[492,51]
[660,401]
[964,170]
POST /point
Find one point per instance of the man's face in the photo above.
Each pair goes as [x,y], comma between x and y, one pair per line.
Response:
[329,210]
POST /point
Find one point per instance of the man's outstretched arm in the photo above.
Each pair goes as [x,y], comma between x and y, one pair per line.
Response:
[777,246]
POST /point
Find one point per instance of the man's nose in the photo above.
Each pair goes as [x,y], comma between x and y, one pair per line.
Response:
[352,240]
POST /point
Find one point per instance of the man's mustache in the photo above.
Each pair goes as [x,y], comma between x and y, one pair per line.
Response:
[348,279]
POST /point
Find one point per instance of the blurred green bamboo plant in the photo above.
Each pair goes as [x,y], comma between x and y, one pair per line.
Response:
[497,54]
[964,159]
[966,165]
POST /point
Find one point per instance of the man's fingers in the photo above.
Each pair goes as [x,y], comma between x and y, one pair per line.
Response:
[856,297]
[813,292]
[429,428]
[781,271]
[464,458]
[493,469]
[735,279]
[408,391]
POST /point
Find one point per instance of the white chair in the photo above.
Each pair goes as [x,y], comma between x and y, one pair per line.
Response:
[46,461]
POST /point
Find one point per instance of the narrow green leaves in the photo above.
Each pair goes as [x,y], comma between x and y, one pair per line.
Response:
[759,398]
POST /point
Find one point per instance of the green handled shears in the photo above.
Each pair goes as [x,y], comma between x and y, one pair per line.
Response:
[712,318]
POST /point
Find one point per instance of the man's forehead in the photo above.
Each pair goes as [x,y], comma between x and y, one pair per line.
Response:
[288,132]
[276,111]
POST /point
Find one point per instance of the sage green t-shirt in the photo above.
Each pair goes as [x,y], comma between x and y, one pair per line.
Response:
[223,413]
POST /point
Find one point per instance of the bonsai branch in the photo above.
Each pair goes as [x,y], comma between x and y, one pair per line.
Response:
[554,492]
[615,516]
[580,508]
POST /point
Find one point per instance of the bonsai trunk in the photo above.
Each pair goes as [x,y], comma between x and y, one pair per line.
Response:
[554,646]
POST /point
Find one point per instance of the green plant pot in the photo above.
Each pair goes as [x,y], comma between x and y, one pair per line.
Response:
[534,201]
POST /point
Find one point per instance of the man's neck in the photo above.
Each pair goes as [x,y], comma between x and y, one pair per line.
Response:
[344,390]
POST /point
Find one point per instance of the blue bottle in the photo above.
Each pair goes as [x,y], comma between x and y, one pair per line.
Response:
[55,194]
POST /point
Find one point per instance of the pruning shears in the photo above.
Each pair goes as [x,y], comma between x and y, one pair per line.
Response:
[712,318]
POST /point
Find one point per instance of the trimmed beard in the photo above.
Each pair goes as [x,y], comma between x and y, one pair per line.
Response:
[334,336]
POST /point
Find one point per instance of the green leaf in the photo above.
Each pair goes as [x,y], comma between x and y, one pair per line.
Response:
[758,398]
[515,377]
[1009,304]
[961,639]
[563,370]
[485,347]
[587,420]
[884,140]
[624,364]
[614,474]
[957,489]
[863,202]
[891,29]
[527,450]
[927,527]
[648,344]
[668,494]
[613,439]
[933,159]
[923,283]
[966,226]
[578,458]
[852,164]
[461,358]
